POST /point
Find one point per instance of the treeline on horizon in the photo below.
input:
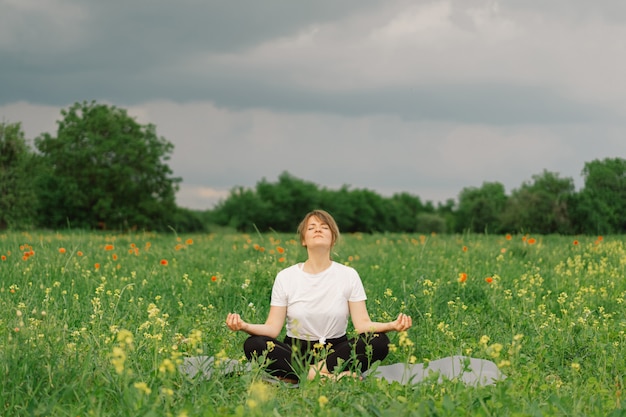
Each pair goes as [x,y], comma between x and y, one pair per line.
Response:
[103,170]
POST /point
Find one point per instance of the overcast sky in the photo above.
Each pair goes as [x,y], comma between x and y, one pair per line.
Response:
[424,97]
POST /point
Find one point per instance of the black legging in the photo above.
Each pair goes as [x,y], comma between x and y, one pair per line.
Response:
[282,358]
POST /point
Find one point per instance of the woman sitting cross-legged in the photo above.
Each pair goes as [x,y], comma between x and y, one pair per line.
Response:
[316,297]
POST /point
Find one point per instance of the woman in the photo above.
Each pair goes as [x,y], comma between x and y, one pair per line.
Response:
[316,297]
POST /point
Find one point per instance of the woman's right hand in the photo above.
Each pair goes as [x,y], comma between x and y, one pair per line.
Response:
[235,323]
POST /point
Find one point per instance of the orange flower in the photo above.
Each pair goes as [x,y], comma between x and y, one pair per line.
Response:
[281,259]
[62,250]
[600,238]
[213,278]
[164,262]
[575,243]
[503,250]
[79,253]
[179,246]
[114,257]
[256,246]
[280,249]
[464,248]
[508,236]
[3,257]
[189,241]
[489,280]
[462,277]
[96,266]
[531,241]
[108,247]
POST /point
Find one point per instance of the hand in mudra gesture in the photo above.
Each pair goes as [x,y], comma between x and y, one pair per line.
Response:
[402,323]
[235,322]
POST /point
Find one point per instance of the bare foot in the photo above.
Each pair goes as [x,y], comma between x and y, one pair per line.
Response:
[324,373]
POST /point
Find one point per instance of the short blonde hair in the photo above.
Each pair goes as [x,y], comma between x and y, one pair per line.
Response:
[324,217]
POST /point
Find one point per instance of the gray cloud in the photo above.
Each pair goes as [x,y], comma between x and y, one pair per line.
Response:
[424,96]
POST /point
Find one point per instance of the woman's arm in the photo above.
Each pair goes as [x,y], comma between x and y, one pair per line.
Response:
[271,328]
[363,323]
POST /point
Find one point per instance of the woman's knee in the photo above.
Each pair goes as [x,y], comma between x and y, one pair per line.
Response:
[254,346]
[380,346]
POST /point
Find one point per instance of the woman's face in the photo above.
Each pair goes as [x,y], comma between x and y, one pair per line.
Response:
[317,234]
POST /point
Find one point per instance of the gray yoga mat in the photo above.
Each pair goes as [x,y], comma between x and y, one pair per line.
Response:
[469,370]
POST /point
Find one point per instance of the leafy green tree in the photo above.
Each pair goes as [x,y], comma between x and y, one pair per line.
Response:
[289,200]
[403,212]
[602,202]
[17,195]
[430,223]
[243,210]
[371,213]
[540,206]
[480,208]
[447,211]
[103,169]
[339,204]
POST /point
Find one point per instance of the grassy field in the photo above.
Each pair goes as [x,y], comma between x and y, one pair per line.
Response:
[95,324]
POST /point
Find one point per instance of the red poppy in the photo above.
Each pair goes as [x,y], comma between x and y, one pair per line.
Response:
[462,277]
[489,280]
[62,250]
[164,262]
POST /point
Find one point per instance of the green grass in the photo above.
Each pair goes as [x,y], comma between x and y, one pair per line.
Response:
[81,340]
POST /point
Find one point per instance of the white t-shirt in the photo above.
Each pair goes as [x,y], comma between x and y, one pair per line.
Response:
[317,304]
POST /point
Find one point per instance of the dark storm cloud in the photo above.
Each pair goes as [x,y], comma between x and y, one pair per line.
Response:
[131,51]
[422,96]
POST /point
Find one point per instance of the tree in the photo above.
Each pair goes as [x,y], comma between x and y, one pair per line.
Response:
[105,170]
[243,210]
[540,206]
[289,200]
[17,194]
[480,208]
[404,212]
[602,201]
[430,223]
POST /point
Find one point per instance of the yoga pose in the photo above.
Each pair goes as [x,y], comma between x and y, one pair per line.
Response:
[316,297]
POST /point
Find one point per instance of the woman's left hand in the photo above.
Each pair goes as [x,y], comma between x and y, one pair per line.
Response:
[402,323]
